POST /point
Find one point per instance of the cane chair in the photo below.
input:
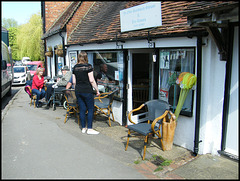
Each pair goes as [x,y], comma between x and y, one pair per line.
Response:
[103,104]
[33,97]
[72,106]
[140,94]
[151,123]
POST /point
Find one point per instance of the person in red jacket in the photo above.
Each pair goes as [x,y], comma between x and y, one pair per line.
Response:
[37,86]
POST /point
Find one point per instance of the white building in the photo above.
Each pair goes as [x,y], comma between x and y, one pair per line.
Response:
[146,55]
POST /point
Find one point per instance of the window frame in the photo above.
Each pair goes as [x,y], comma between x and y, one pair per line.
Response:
[183,112]
[120,96]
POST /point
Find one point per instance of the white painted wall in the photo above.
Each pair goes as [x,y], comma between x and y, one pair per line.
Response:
[232,136]
[213,77]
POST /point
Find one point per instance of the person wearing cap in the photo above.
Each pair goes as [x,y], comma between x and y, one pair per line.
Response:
[61,83]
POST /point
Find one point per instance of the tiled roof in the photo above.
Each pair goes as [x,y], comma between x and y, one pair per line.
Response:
[200,7]
[103,22]
[63,19]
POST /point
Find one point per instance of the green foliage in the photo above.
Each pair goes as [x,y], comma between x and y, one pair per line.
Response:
[29,41]
[163,162]
[9,23]
[12,33]
[166,163]
[137,161]
[158,169]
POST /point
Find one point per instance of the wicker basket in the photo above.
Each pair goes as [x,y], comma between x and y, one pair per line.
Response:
[168,131]
[49,54]
[59,52]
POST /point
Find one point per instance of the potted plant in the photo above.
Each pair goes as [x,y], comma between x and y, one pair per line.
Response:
[59,50]
[49,53]
[186,81]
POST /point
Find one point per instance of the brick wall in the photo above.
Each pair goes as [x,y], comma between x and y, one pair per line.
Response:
[53,9]
[79,14]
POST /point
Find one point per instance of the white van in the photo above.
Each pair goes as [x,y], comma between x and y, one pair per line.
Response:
[6,73]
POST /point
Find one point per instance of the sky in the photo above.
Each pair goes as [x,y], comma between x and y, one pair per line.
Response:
[21,11]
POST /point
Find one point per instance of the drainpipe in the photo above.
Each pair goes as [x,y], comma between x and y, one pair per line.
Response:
[44,31]
[198,91]
[64,57]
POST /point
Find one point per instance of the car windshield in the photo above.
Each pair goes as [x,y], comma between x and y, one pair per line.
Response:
[19,69]
[32,67]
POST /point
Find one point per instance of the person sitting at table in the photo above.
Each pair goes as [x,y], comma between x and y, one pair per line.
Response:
[70,84]
[103,73]
[38,86]
[61,82]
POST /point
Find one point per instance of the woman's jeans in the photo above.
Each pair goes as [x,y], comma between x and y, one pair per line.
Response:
[39,94]
[85,102]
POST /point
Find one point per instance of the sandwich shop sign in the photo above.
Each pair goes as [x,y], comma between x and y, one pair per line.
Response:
[140,17]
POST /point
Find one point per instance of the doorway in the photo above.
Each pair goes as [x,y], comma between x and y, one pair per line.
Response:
[141,78]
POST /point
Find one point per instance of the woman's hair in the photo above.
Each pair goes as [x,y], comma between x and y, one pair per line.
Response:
[82,57]
[39,70]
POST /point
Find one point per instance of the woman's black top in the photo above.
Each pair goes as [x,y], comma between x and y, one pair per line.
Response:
[83,84]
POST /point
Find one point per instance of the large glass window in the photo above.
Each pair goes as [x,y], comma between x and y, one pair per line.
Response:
[172,63]
[108,70]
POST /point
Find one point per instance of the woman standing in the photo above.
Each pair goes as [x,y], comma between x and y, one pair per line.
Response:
[37,86]
[84,82]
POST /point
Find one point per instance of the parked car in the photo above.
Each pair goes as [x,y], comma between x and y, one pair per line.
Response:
[6,73]
[20,75]
[25,60]
[18,63]
[32,67]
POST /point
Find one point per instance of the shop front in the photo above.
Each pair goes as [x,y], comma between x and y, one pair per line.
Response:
[141,73]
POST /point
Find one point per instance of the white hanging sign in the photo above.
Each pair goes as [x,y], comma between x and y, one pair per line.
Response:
[143,16]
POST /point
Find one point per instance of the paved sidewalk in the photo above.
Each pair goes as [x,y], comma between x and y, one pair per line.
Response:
[183,166]
[111,143]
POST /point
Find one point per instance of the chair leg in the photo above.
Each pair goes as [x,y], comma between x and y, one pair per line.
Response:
[112,115]
[127,140]
[145,145]
[66,115]
[109,120]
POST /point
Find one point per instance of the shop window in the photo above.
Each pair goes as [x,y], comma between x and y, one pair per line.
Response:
[113,77]
[172,63]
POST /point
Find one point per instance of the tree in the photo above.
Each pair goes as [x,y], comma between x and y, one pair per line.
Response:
[29,39]
[12,32]
[9,22]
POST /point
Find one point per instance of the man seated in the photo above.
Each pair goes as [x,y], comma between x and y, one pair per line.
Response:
[61,84]
[70,84]
[103,79]
[103,73]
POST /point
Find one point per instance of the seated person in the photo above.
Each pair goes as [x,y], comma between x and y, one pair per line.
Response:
[61,83]
[37,86]
[103,79]
[103,73]
[70,84]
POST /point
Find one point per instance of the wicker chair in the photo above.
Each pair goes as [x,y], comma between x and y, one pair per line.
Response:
[72,106]
[150,122]
[103,104]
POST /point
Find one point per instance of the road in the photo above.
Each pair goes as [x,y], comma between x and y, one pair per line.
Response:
[6,99]
[37,144]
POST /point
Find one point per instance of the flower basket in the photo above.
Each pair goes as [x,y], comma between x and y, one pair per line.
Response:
[49,54]
[59,52]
